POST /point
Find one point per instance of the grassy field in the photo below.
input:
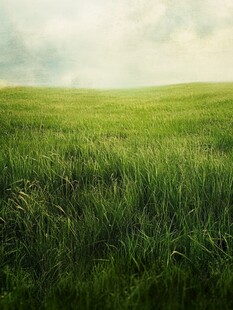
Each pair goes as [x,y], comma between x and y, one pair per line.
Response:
[117,199]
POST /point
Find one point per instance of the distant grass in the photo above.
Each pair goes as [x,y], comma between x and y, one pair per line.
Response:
[117,199]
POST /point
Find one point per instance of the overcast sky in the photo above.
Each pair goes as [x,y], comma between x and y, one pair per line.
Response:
[115,43]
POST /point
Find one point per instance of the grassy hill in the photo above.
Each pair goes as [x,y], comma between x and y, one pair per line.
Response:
[117,199]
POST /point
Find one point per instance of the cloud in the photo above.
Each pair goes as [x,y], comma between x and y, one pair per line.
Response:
[97,43]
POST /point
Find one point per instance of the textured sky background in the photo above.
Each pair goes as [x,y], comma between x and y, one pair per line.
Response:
[115,43]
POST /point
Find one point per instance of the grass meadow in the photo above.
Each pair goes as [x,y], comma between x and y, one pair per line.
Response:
[118,199]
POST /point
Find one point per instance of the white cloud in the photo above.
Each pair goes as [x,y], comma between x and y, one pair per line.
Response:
[120,43]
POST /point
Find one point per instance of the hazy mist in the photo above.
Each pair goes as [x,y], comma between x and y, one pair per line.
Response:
[96,43]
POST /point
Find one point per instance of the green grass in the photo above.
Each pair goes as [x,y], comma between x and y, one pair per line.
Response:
[117,199]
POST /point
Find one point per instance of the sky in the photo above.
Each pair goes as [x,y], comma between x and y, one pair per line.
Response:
[115,43]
